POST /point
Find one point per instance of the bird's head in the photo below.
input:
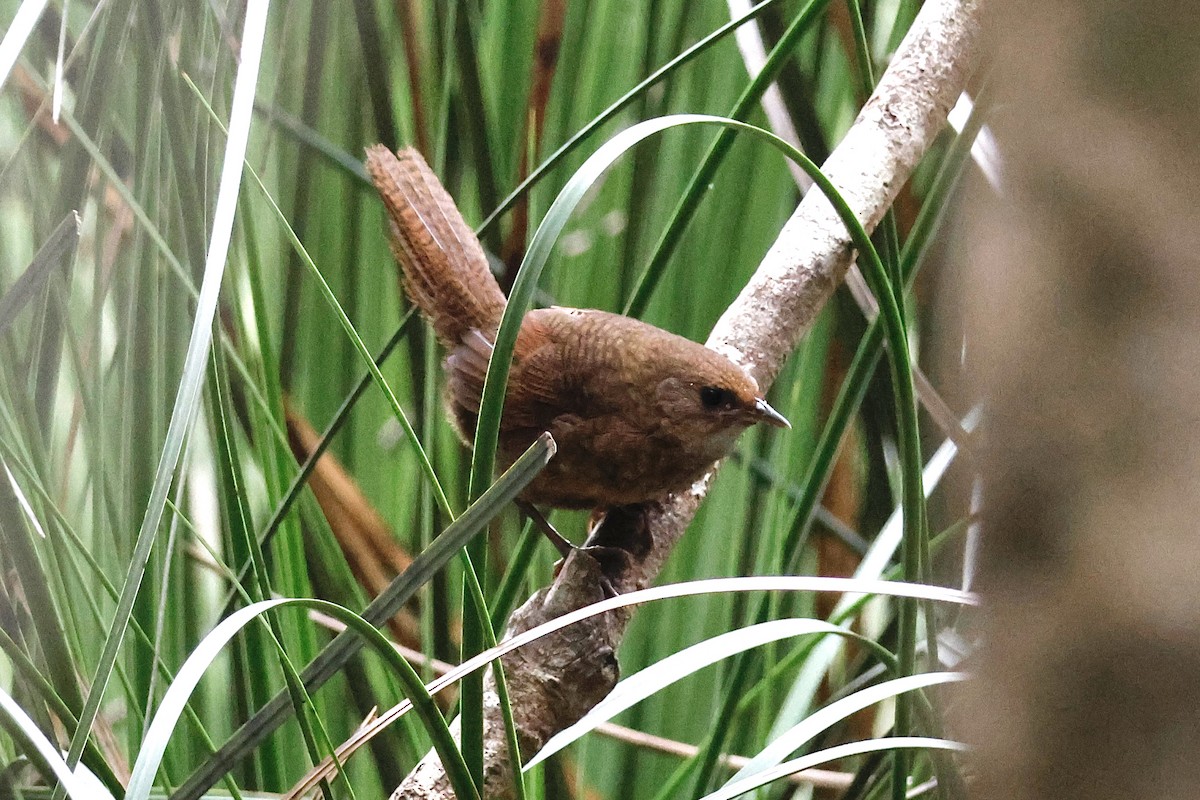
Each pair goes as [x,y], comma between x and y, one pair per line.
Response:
[706,398]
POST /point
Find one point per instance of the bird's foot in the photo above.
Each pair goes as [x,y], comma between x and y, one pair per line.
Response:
[609,558]
[560,542]
[612,561]
[605,557]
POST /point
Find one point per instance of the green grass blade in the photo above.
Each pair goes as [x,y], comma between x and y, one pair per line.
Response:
[229,462]
[381,609]
[167,716]
[873,566]
[296,487]
[488,631]
[351,332]
[359,346]
[308,137]
[522,558]
[804,731]
[77,784]
[832,754]
[44,608]
[17,34]
[52,254]
[679,665]
[700,181]
[620,104]
[771,583]
[194,366]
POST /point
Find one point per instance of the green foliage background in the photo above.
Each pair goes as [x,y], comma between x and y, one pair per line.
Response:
[89,369]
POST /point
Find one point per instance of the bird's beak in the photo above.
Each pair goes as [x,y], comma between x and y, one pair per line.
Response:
[770,415]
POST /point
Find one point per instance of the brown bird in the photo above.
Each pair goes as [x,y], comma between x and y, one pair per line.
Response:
[636,412]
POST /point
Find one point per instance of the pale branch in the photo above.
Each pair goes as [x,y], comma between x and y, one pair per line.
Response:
[555,681]
[750,43]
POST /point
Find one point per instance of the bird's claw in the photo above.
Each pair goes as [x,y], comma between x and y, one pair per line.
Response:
[611,560]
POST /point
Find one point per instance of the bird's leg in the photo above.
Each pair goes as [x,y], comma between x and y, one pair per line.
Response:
[563,545]
[560,542]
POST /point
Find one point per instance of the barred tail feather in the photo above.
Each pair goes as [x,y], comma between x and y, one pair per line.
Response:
[445,270]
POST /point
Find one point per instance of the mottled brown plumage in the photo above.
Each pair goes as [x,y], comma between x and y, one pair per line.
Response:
[636,412]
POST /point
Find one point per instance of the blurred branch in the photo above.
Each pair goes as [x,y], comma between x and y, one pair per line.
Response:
[545,64]
[370,547]
[820,778]
[1082,329]
[555,681]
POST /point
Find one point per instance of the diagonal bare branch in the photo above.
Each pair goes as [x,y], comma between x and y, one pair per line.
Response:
[554,682]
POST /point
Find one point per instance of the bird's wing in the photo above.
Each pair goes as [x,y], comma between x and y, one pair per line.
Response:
[466,369]
[540,388]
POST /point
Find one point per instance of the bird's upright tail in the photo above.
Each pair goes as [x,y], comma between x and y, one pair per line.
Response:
[445,271]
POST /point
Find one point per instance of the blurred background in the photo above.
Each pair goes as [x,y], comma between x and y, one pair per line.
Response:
[92,351]
[1081,296]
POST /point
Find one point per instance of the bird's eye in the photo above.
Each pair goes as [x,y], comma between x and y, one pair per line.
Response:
[712,397]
